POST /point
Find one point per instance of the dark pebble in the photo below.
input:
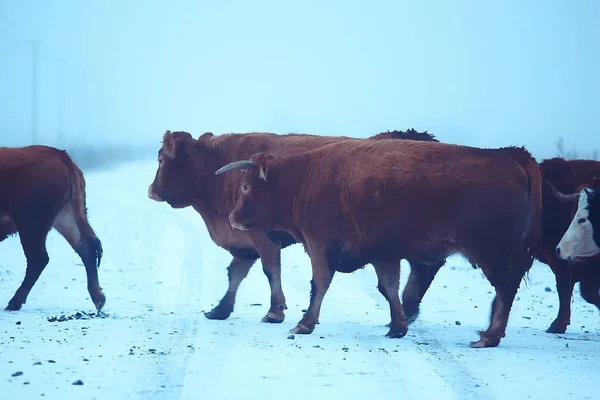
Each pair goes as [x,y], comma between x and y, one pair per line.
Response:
[26,383]
[18,373]
[255,305]
[291,337]
[37,363]
[78,382]
[457,322]
[18,322]
[85,359]
[548,289]
[52,361]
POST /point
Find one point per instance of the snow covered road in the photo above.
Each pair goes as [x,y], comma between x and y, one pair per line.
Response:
[160,271]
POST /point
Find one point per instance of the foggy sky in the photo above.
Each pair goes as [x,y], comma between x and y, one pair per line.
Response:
[475,72]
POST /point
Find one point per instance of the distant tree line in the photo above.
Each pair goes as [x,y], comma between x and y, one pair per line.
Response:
[572,153]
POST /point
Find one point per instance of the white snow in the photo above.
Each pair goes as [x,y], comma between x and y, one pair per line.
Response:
[160,271]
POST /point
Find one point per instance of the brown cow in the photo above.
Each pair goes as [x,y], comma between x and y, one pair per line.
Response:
[354,203]
[567,175]
[185,177]
[42,188]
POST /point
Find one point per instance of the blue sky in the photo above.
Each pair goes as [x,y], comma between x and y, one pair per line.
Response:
[479,73]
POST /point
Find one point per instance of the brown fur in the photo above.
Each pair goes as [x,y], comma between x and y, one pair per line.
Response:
[382,201]
[186,177]
[568,176]
[42,188]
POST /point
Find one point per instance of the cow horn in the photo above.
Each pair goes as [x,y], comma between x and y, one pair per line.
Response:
[235,165]
[565,198]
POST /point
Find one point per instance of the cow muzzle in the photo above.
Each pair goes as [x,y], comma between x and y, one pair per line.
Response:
[152,194]
[234,224]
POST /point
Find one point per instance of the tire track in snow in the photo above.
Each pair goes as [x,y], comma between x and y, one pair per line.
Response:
[448,367]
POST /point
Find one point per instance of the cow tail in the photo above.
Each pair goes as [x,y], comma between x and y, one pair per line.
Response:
[533,230]
[89,242]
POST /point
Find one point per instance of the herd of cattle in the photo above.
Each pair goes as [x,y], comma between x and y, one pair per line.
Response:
[350,202]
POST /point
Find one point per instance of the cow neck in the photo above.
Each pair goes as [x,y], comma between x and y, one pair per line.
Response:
[220,192]
[287,177]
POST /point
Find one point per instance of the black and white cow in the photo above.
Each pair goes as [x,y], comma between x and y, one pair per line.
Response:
[582,238]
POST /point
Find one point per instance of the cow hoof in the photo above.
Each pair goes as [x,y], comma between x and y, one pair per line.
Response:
[218,313]
[485,342]
[398,332]
[99,301]
[412,318]
[13,305]
[301,330]
[557,327]
[273,318]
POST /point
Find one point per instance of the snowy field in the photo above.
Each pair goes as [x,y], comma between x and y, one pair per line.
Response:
[160,271]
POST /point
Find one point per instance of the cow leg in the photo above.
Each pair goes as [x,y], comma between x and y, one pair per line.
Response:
[34,247]
[564,287]
[321,279]
[506,278]
[590,291]
[77,231]
[237,271]
[419,280]
[505,295]
[270,256]
[388,277]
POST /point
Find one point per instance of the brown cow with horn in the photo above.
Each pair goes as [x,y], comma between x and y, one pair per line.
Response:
[185,177]
[42,188]
[354,203]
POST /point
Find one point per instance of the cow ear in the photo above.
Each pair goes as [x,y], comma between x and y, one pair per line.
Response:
[262,161]
[591,193]
[168,143]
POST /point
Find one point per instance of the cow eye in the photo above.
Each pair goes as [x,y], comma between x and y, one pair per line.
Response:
[581,220]
[245,188]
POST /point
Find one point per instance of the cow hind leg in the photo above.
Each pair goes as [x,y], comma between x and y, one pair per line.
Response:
[77,231]
[388,277]
[419,280]
[506,278]
[34,247]
[270,256]
[237,271]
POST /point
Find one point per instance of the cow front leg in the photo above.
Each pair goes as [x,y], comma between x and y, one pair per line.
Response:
[270,256]
[564,287]
[388,277]
[321,279]
[237,271]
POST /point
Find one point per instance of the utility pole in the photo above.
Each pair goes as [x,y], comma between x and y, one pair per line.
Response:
[61,104]
[34,89]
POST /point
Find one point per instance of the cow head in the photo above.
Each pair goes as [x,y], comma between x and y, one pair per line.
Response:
[582,238]
[256,195]
[171,183]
